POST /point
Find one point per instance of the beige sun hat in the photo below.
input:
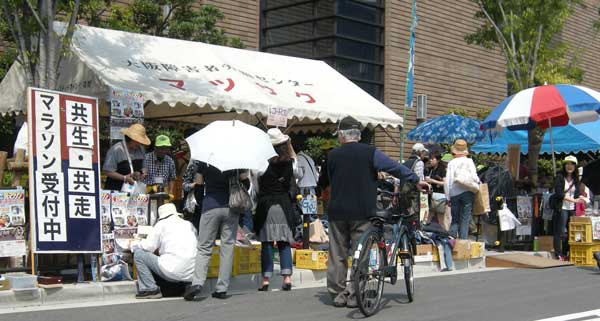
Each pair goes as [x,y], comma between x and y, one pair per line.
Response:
[460,147]
[277,137]
[137,132]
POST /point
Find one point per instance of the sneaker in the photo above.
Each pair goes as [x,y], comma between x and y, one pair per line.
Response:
[351,302]
[156,294]
[192,293]
[220,295]
[340,300]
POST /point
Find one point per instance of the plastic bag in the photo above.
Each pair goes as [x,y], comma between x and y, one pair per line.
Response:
[317,232]
[508,221]
[190,203]
[115,272]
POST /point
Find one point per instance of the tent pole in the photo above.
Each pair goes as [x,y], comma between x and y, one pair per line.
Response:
[260,122]
[391,137]
[289,127]
[552,147]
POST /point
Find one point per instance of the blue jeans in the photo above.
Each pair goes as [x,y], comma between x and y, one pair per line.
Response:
[447,253]
[462,209]
[266,258]
[246,221]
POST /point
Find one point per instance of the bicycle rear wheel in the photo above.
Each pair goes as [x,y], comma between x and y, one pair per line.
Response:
[369,273]
[407,265]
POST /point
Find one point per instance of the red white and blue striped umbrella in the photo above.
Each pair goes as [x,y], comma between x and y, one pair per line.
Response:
[545,106]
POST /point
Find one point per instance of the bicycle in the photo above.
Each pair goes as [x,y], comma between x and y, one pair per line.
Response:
[375,259]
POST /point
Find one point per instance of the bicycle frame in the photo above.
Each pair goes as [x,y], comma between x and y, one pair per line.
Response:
[400,228]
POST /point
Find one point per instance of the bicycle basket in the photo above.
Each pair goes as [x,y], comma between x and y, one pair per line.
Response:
[408,201]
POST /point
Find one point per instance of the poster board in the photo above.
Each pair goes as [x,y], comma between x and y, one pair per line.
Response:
[64,172]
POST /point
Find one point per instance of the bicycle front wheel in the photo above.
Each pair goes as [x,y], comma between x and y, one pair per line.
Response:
[369,273]
[407,265]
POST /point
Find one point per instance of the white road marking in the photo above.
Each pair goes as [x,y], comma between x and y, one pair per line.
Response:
[593,315]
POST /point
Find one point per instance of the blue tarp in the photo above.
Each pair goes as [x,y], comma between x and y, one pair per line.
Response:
[567,139]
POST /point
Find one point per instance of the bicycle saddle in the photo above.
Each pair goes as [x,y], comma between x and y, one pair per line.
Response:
[380,215]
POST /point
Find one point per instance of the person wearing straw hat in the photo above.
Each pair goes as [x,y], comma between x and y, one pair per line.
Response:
[124,156]
[461,199]
[175,240]
[160,166]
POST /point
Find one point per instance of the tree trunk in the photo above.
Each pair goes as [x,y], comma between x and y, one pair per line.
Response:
[535,138]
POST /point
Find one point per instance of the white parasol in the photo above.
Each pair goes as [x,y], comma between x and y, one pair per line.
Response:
[231,144]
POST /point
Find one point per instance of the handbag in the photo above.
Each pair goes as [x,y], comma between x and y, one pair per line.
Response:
[481,205]
[316,232]
[445,218]
[239,198]
[463,177]
[137,187]
[438,203]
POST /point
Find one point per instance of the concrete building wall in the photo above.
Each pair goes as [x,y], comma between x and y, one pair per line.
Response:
[448,70]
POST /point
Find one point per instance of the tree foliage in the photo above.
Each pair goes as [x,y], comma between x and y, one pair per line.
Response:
[527,33]
[177,19]
[27,26]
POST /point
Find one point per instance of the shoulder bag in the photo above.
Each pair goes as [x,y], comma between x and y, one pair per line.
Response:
[239,198]
[463,177]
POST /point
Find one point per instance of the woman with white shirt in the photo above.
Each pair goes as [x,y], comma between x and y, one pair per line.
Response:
[461,199]
[566,188]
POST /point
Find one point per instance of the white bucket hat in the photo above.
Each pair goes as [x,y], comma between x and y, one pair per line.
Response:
[277,137]
[167,210]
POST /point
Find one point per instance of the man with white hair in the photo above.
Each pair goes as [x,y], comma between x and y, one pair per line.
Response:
[175,239]
[352,173]
[415,161]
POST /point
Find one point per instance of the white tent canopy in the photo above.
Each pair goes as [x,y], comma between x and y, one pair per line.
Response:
[176,77]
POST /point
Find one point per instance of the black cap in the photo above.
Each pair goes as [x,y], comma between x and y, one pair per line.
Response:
[348,123]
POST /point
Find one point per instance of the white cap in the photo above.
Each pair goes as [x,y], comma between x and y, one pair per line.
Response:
[418,147]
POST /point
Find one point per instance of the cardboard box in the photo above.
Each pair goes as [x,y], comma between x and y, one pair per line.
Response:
[424,249]
[546,243]
[477,249]
[312,260]
[246,259]
[461,250]
[4,285]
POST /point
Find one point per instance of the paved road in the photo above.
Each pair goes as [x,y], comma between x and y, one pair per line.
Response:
[497,295]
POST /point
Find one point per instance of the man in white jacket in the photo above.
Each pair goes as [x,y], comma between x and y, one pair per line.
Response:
[175,240]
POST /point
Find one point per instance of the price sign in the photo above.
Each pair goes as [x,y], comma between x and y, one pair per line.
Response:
[277,117]
[309,205]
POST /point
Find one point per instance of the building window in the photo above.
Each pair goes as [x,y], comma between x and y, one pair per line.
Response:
[347,34]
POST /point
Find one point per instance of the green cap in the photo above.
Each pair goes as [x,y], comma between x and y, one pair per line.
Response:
[447,157]
[162,141]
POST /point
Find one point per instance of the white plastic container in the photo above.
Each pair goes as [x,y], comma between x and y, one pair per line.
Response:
[21,281]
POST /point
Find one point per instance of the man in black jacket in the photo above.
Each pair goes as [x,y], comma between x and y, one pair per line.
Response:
[352,173]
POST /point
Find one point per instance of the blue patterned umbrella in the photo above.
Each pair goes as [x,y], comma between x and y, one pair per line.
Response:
[447,129]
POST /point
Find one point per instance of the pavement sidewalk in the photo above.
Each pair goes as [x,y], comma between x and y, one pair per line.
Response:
[242,284]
